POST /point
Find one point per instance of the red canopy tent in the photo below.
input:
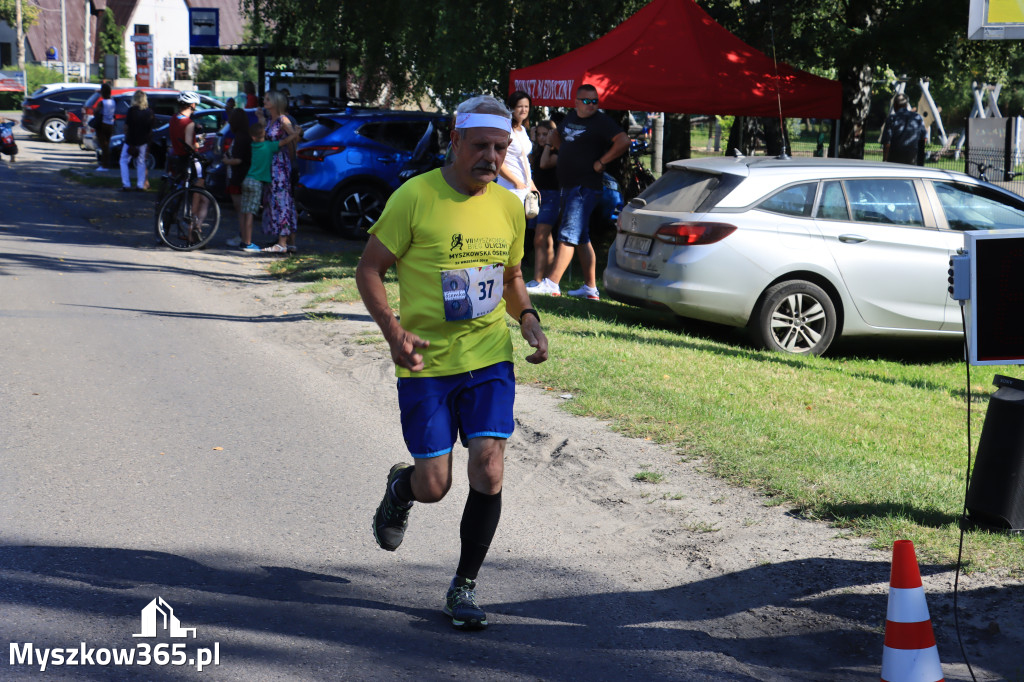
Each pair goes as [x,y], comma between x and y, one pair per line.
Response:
[671,56]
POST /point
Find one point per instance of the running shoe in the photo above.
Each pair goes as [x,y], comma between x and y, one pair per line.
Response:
[590,293]
[391,518]
[546,288]
[532,283]
[460,605]
[251,248]
[234,241]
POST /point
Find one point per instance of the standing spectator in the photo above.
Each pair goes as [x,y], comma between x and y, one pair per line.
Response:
[251,100]
[903,138]
[279,217]
[138,124]
[515,174]
[588,141]
[105,124]
[229,106]
[258,176]
[238,160]
[545,177]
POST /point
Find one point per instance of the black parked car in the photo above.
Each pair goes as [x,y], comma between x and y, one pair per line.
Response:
[54,111]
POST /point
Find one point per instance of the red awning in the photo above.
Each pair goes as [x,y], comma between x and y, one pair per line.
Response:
[671,56]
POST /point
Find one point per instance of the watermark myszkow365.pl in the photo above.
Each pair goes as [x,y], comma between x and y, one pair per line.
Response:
[157,619]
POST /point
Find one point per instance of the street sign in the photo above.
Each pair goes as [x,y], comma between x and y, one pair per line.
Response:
[996,20]
[12,81]
[203,27]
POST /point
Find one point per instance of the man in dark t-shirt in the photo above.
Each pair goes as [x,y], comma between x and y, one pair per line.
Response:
[587,141]
[903,138]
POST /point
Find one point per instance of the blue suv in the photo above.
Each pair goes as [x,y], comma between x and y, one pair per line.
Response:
[350,162]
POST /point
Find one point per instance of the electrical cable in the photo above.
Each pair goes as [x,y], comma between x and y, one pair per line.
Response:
[963,516]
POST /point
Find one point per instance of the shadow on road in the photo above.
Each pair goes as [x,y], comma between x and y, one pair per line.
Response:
[753,617]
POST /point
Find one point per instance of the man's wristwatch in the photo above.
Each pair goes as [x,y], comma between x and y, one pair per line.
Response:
[530,311]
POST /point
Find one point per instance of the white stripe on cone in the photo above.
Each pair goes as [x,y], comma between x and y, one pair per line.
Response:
[907,605]
[911,665]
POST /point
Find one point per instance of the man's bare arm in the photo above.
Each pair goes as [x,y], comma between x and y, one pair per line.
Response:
[517,299]
[374,264]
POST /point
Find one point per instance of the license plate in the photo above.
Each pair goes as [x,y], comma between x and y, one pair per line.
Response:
[637,244]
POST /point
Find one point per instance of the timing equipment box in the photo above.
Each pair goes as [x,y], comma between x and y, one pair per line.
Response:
[995,309]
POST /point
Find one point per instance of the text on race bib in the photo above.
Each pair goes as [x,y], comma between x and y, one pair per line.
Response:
[472,292]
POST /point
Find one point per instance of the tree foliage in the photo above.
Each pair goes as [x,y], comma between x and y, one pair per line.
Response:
[861,42]
[110,40]
[436,48]
[29,13]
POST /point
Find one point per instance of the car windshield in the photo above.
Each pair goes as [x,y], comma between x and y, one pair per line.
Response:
[680,190]
[977,208]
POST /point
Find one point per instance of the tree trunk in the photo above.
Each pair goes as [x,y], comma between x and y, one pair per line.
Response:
[855,73]
[744,136]
[677,137]
[856,80]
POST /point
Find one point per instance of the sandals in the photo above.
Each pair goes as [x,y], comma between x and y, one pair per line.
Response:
[276,248]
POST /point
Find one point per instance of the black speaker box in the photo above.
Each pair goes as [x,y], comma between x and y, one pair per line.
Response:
[995,497]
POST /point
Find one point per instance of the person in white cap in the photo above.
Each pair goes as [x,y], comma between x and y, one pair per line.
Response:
[456,239]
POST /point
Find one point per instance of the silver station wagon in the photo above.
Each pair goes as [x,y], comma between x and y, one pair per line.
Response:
[801,251]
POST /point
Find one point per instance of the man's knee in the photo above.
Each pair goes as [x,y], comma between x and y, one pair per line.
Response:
[430,484]
[487,466]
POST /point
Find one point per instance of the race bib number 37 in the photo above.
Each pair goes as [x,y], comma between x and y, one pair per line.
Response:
[472,292]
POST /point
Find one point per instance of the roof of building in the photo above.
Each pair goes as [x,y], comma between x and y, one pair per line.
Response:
[47,32]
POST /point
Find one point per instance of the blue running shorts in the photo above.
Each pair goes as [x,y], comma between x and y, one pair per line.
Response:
[435,410]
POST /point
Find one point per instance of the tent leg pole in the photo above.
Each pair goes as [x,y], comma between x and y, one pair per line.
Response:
[834,152]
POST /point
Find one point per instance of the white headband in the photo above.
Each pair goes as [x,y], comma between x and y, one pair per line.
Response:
[471,120]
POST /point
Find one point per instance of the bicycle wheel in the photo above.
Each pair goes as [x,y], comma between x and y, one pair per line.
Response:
[177,225]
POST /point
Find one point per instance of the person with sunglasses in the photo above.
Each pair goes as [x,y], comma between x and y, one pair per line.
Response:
[587,142]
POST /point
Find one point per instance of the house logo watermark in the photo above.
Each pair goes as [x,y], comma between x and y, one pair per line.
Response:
[158,621]
[158,615]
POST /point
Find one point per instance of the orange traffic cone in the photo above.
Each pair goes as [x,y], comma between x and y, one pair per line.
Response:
[909,654]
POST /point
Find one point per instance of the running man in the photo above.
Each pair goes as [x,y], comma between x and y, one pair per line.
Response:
[456,239]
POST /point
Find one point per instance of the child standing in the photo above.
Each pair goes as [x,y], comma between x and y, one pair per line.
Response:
[258,177]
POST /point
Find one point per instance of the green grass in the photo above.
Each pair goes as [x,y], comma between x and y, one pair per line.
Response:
[648,476]
[871,439]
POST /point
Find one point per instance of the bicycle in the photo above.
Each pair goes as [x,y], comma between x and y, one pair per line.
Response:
[638,177]
[177,224]
[983,169]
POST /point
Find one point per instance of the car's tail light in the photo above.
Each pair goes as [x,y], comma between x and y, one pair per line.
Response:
[31,106]
[693,234]
[73,117]
[318,153]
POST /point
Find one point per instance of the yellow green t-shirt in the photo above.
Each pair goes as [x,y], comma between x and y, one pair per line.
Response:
[452,250]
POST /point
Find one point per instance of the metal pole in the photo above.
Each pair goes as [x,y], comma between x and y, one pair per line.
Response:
[64,36]
[21,39]
[88,45]
[658,134]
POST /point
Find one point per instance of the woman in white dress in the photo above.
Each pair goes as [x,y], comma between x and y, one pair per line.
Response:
[515,175]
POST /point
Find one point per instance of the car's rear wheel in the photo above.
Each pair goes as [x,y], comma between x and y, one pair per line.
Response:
[795,317]
[54,129]
[356,209]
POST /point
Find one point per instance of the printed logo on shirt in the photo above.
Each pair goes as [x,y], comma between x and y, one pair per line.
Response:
[456,242]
